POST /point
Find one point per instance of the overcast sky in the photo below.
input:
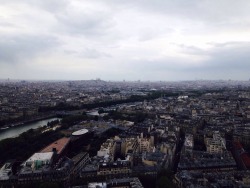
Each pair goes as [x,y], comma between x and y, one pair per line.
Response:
[125,39]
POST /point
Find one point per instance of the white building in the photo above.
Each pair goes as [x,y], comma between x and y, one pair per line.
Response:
[216,144]
[38,160]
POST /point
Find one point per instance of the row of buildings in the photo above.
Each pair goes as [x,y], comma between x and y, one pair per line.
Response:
[201,136]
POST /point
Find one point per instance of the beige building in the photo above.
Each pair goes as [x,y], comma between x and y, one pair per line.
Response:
[216,144]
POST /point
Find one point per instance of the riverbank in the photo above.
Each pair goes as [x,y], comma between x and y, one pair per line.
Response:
[32,124]
[22,146]
[20,123]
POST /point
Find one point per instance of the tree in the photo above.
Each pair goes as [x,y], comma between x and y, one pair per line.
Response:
[165,177]
[49,185]
[164,182]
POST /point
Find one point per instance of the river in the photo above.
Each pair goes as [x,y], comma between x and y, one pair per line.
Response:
[15,131]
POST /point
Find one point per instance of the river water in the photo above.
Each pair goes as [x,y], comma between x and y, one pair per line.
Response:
[15,131]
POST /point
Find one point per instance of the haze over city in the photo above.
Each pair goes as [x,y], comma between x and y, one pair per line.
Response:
[114,94]
[131,40]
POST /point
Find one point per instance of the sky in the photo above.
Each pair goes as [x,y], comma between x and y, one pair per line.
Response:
[157,40]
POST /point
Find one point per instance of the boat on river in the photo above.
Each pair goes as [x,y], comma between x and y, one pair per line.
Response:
[3,128]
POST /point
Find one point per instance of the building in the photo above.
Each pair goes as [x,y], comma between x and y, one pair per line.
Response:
[189,143]
[144,145]
[107,149]
[116,169]
[59,147]
[129,145]
[39,161]
[118,183]
[216,144]
[6,171]
[80,160]
[38,168]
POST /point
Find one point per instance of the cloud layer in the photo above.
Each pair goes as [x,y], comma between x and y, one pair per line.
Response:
[131,40]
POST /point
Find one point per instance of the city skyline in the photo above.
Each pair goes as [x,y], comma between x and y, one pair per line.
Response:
[111,40]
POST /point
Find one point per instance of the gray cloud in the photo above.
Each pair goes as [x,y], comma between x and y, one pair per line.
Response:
[83,24]
[75,20]
[14,49]
[47,5]
[228,60]
[231,55]
[219,11]
[231,44]
[93,54]
[225,60]
[88,53]
[192,50]
[157,40]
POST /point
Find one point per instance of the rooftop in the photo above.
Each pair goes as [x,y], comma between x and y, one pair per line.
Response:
[5,171]
[100,185]
[40,157]
[246,159]
[80,132]
[59,145]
